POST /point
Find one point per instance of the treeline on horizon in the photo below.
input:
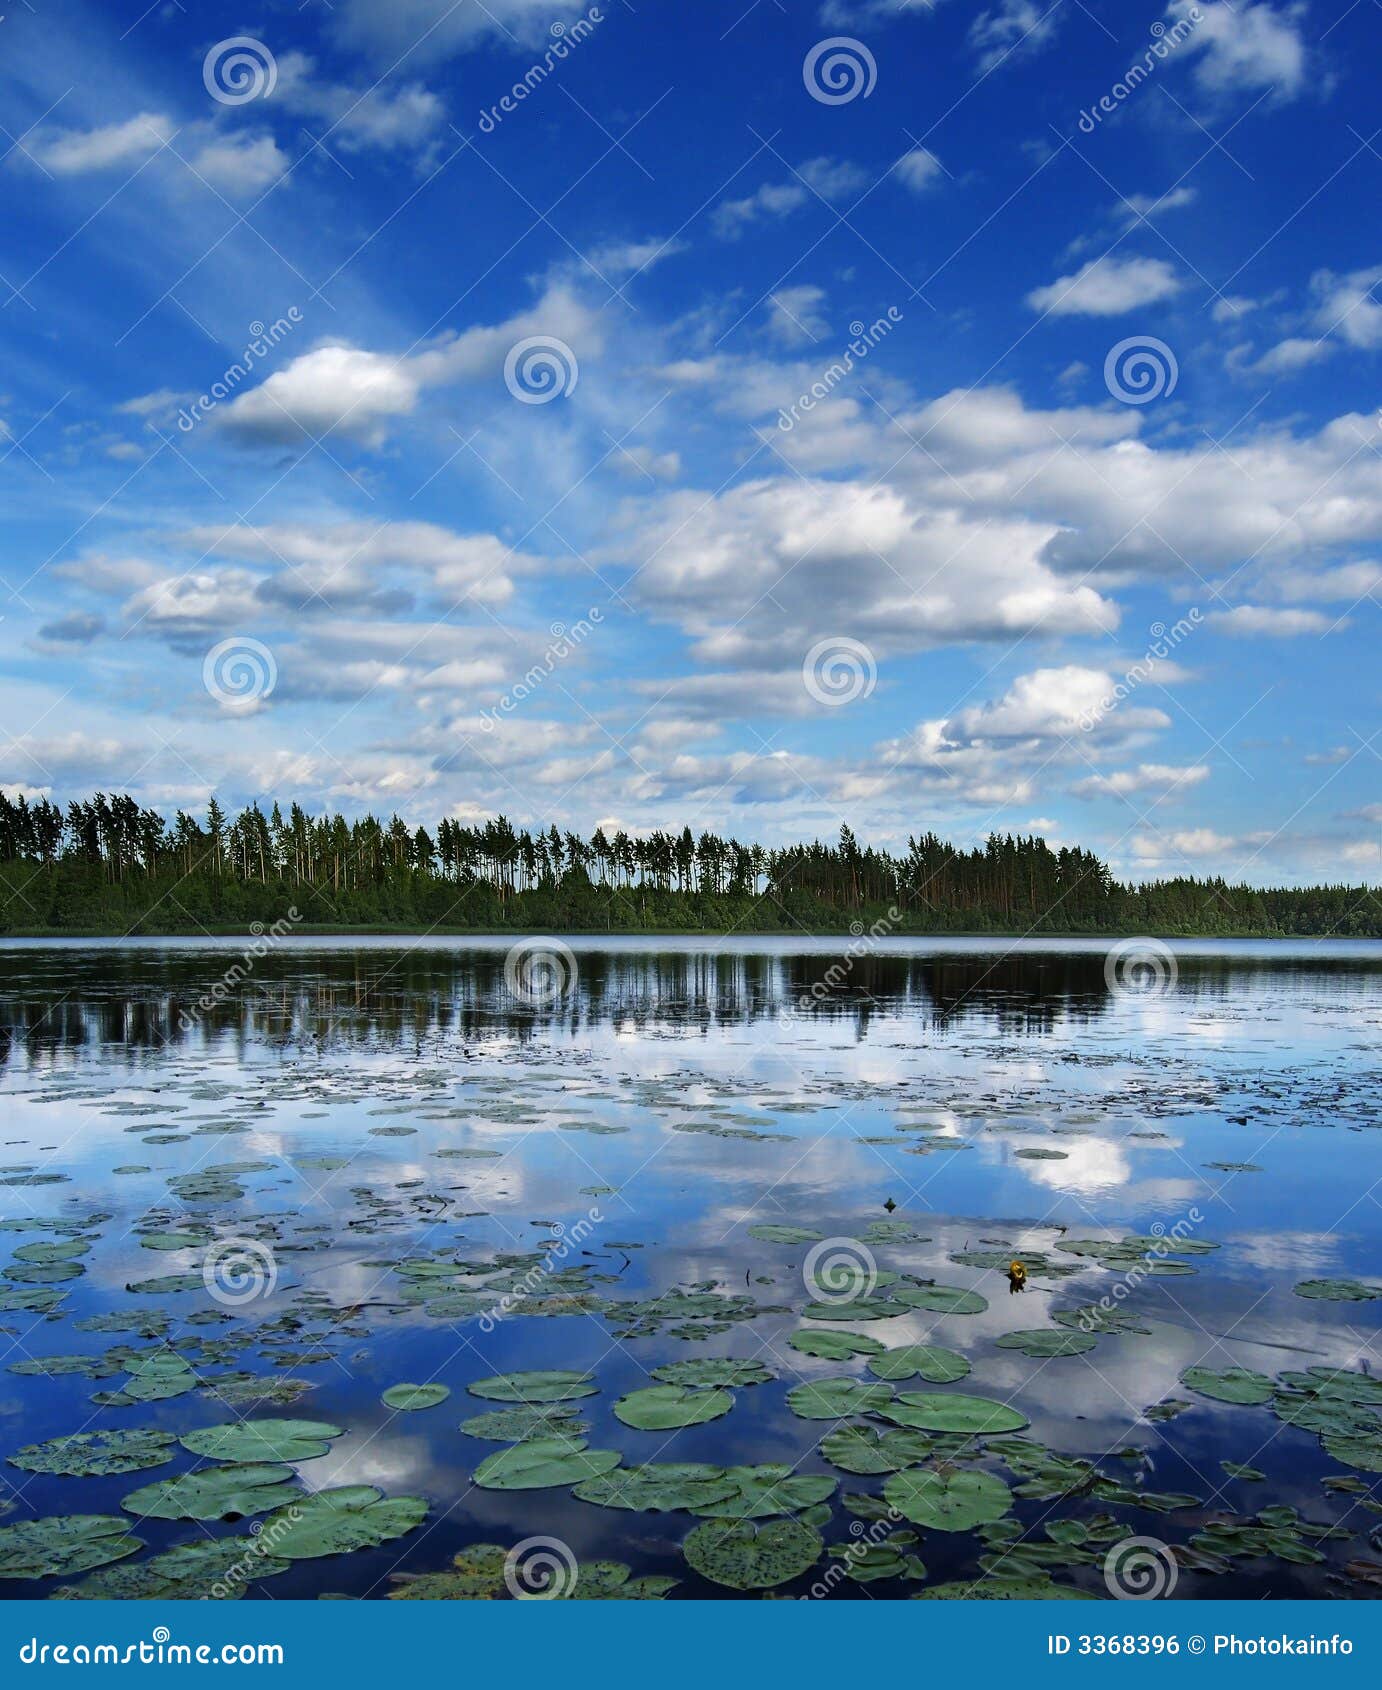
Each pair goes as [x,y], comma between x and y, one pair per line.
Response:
[108,864]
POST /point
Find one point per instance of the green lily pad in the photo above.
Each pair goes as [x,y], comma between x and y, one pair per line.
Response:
[773,1234]
[1338,1290]
[947,1502]
[949,1411]
[712,1370]
[870,1449]
[834,1346]
[215,1493]
[858,1308]
[544,1385]
[940,1299]
[64,1545]
[1228,1384]
[249,1441]
[771,1487]
[658,1487]
[1042,1343]
[747,1557]
[1024,1588]
[409,1398]
[513,1425]
[662,1408]
[542,1462]
[337,1522]
[835,1399]
[87,1454]
[216,1569]
[939,1366]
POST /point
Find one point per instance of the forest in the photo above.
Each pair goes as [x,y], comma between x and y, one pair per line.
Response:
[109,865]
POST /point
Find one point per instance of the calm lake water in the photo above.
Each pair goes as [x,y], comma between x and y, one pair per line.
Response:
[348,1164]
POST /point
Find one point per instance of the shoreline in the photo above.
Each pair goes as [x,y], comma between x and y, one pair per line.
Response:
[329,930]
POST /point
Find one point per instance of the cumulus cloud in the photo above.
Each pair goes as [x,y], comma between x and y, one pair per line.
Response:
[1348,306]
[1054,704]
[240,165]
[1244,46]
[826,178]
[73,152]
[1107,287]
[919,169]
[344,390]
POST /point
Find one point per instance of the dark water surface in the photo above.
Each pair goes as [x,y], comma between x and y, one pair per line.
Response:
[622,1141]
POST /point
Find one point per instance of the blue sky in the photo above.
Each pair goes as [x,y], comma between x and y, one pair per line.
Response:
[921,415]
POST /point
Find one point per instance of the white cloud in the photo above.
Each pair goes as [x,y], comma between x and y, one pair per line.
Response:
[1244,46]
[428,30]
[1160,778]
[919,169]
[1107,287]
[828,178]
[794,314]
[1011,28]
[1348,306]
[1136,207]
[1283,359]
[390,116]
[1054,704]
[73,152]
[342,390]
[241,165]
[1252,620]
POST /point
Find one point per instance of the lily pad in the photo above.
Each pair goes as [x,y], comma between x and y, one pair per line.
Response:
[409,1398]
[215,1493]
[242,1441]
[662,1408]
[836,1399]
[939,1366]
[544,1385]
[513,1425]
[773,1234]
[950,1411]
[1338,1290]
[747,1557]
[1228,1384]
[771,1487]
[87,1454]
[834,1346]
[1042,1343]
[540,1463]
[870,1449]
[64,1545]
[658,1487]
[337,1522]
[713,1370]
[940,1299]
[947,1502]
[218,1569]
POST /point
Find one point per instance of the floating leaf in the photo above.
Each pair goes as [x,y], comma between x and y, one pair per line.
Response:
[662,1408]
[1043,1343]
[1338,1290]
[947,1502]
[947,1411]
[541,1462]
[409,1398]
[214,1493]
[218,1569]
[748,1557]
[337,1522]
[869,1449]
[68,1544]
[773,1234]
[712,1370]
[939,1366]
[248,1441]
[835,1399]
[544,1385]
[941,1299]
[512,1425]
[658,1487]
[771,1487]
[834,1346]
[86,1454]
[1228,1384]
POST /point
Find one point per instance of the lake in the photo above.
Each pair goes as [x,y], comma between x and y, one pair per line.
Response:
[724,1232]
